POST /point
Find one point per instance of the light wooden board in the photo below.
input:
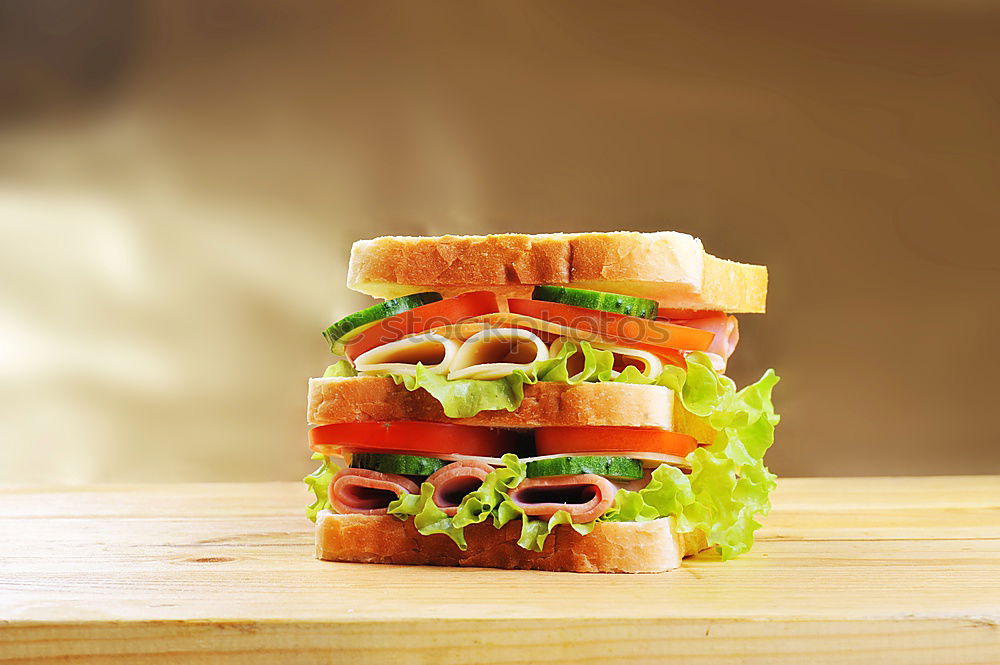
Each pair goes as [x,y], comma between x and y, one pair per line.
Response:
[860,570]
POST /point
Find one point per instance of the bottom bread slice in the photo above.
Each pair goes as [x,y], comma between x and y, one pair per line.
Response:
[612,547]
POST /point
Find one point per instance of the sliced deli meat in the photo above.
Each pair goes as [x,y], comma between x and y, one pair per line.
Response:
[585,496]
[452,482]
[367,492]
[727,336]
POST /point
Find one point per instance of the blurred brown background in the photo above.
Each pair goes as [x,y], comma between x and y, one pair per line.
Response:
[180,183]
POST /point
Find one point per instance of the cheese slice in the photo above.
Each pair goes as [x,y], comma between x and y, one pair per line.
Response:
[497,352]
[433,351]
[531,323]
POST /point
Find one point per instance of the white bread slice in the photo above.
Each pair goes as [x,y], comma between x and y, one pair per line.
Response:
[612,547]
[546,404]
[672,268]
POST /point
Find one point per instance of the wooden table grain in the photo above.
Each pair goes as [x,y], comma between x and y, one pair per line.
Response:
[857,570]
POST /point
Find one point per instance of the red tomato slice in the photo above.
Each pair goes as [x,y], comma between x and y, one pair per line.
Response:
[441,313]
[572,440]
[412,437]
[654,336]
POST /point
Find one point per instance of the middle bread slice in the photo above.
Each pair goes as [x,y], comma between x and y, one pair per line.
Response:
[546,404]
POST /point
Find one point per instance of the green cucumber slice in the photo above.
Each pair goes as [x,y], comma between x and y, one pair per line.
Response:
[353,324]
[612,467]
[404,465]
[605,302]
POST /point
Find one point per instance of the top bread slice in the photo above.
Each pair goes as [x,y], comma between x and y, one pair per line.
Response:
[670,267]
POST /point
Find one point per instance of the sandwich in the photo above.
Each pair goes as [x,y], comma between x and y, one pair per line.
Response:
[542,402]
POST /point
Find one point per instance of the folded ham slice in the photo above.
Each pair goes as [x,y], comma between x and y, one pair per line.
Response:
[727,336]
[366,492]
[584,496]
[452,482]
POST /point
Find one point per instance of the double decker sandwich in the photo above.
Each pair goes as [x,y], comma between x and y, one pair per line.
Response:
[551,402]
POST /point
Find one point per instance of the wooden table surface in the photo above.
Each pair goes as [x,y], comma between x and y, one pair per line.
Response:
[860,570]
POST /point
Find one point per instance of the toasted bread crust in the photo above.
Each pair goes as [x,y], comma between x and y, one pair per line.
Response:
[612,547]
[670,267]
[546,404]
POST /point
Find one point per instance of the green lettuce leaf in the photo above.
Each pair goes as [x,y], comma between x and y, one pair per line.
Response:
[464,398]
[534,531]
[427,517]
[491,498]
[597,364]
[729,484]
[319,483]
[629,507]
[476,506]
[667,493]
[341,368]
